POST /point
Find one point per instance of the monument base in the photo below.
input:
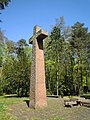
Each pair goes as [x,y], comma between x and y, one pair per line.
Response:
[38,104]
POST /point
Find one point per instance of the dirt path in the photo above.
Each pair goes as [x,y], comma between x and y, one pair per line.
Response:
[55,108]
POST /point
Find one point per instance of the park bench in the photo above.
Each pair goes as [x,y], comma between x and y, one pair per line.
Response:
[74,101]
[70,102]
[86,102]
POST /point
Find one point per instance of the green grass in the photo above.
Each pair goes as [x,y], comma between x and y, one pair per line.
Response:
[54,118]
[15,108]
[4,102]
[3,107]
[7,116]
[57,118]
[7,100]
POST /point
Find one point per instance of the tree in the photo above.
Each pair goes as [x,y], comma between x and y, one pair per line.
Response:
[15,70]
[87,62]
[54,57]
[65,30]
[57,58]
[24,63]
[78,38]
[4,3]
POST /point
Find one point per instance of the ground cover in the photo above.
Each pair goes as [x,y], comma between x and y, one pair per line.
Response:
[15,108]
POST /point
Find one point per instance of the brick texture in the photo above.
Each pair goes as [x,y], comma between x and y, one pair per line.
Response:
[37,79]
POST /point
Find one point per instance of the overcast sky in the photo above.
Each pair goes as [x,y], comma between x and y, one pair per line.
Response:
[20,16]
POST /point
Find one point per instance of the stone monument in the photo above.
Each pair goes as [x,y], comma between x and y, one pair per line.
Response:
[37,79]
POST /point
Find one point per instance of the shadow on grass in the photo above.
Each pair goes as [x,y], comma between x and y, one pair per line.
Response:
[86,96]
[87,106]
[53,96]
[13,96]
[27,102]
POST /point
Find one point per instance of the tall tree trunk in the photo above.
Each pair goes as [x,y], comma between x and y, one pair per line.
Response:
[57,74]
[18,88]
[86,80]
[57,83]
[72,73]
[79,73]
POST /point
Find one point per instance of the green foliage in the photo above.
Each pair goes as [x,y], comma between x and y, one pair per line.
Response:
[4,3]
[15,67]
[67,58]
[67,61]
[78,44]
[57,52]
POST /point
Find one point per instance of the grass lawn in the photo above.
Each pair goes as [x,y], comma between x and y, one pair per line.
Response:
[15,108]
[5,101]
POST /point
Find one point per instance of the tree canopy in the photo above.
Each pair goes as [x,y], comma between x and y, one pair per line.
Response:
[4,3]
[67,61]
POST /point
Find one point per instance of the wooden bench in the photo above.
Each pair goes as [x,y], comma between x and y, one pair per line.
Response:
[70,102]
[86,103]
[73,101]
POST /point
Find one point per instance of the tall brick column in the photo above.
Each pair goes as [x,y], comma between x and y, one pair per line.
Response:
[37,80]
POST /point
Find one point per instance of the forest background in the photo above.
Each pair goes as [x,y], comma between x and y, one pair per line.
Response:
[67,61]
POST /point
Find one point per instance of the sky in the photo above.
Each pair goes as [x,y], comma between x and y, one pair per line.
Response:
[21,16]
